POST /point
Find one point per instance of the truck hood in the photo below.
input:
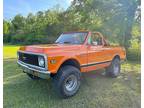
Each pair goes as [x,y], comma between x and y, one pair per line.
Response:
[50,48]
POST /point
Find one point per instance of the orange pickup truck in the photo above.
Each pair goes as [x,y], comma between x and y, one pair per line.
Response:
[70,55]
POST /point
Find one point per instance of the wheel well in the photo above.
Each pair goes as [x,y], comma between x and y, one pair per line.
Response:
[117,56]
[72,62]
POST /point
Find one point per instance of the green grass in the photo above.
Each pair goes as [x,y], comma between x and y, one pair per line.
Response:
[10,51]
[97,90]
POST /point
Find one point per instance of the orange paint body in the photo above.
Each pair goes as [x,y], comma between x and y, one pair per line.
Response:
[85,54]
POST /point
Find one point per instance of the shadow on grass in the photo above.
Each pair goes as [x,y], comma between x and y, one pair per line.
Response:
[9,59]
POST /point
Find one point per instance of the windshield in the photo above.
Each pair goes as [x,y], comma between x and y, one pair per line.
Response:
[71,38]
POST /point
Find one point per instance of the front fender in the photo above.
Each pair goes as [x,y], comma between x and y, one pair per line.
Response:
[54,67]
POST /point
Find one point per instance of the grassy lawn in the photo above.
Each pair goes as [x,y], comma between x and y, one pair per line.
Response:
[97,90]
[10,51]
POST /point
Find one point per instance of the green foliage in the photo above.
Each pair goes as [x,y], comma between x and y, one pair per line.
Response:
[6,31]
[134,51]
[114,18]
[7,39]
[18,23]
[118,20]
[27,39]
[134,54]
[6,27]
[18,38]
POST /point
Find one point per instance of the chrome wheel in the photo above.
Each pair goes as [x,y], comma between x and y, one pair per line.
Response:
[71,83]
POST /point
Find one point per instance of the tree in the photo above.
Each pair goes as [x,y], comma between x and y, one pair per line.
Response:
[18,24]
[6,27]
[113,17]
[29,26]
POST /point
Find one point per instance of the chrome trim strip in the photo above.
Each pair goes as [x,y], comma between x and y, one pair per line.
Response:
[94,63]
[44,55]
[31,68]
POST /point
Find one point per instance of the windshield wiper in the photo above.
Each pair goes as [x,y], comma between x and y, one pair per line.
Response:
[66,42]
[56,42]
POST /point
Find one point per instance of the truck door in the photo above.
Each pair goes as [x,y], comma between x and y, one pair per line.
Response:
[97,56]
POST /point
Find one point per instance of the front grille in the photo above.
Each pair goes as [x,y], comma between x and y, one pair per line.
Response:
[28,58]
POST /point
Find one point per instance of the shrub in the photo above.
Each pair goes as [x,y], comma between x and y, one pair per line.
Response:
[18,38]
[7,38]
[27,39]
[134,54]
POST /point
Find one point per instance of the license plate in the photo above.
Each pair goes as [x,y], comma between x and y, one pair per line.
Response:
[26,70]
[35,73]
[31,72]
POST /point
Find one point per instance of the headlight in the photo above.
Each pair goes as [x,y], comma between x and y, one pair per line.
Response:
[41,61]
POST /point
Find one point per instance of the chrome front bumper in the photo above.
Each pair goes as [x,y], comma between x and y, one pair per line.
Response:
[34,70]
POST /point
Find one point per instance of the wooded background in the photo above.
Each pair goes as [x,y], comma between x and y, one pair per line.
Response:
[118,20]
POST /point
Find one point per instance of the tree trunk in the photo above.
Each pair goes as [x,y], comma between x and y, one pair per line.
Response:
[130,19]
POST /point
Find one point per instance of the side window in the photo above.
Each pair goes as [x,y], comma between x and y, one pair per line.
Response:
[96,39]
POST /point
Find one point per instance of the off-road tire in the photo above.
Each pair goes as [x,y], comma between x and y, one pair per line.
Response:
[61,78]
[114,69]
